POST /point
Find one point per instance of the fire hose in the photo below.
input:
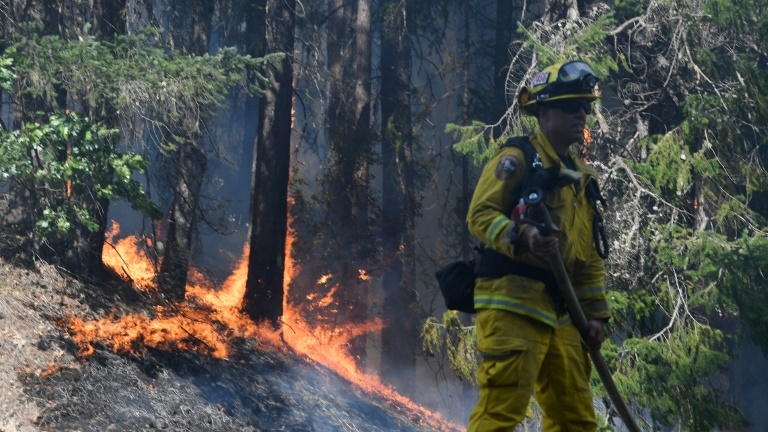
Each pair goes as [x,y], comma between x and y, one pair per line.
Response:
[537,214]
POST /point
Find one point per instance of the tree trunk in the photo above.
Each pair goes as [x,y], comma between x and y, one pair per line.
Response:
[556,10]
[349,137]
[191,165]
[468,390]
[400,336]
[110,21]
[253,42]
[505,28]
[110,17]
[269,208]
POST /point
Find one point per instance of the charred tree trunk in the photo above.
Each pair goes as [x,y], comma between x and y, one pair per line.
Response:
[400,336]
[468,390]
[110,21]
[190,169]
[505,28]
[350,139]
[466,187]
[253,42]
[110,17]
[269,208]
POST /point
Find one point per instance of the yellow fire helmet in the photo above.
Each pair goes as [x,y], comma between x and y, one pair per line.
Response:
[571,80]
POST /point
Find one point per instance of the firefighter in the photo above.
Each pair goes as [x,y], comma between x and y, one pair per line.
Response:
[526,339]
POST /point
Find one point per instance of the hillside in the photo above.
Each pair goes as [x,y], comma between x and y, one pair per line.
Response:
[47,385]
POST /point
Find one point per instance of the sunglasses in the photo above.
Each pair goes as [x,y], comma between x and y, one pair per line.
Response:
[571,106]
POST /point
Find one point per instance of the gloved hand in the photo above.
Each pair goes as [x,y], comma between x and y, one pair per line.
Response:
[595,334]
[537,244]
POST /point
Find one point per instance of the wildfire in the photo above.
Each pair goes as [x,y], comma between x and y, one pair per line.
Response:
[210,319]
[129,260]
[585,145]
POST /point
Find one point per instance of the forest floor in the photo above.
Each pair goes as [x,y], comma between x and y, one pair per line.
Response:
[45,384]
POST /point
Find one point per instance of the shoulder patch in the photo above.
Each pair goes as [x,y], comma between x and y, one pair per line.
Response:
[506,168]
[541,78]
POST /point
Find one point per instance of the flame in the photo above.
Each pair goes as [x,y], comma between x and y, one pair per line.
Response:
[210,318]
[363,276]
[206,322]
[329,347]
[128,259]
[585,145]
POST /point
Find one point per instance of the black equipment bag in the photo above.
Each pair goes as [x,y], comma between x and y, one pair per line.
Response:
[457,283]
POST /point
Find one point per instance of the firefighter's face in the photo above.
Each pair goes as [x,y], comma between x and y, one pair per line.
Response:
[564,126]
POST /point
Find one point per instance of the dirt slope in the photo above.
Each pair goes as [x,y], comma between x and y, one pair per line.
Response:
[45,386]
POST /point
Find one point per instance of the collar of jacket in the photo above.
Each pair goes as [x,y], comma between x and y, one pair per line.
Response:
[549,157]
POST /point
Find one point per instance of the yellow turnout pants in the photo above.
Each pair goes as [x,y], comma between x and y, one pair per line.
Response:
[521,355]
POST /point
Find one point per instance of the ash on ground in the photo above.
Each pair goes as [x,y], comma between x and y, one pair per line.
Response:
[44,385]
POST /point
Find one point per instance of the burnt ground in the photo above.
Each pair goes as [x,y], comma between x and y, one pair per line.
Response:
[45,385]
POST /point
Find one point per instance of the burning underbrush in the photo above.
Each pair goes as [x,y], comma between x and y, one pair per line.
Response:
[92,357]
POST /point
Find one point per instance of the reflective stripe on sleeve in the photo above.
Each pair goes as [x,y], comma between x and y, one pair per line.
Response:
[587,291]
[598,308]
[497,225]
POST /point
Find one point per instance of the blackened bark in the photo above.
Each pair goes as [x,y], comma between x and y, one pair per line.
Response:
[191,165]
[109,17]
[363,141]
[505,28]
[400,336]
[269,207]
[350,139]
[110,21]
[466,188]
[253,40]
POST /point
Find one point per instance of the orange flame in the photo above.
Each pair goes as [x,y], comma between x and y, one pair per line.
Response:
[128,259]
[363,276]
[585,145]
[329,347]
[210,318]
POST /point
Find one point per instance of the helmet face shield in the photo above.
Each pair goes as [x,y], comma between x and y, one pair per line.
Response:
[574,71]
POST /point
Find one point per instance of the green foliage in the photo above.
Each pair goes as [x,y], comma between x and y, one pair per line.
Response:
[68,162]
[590,46]
[668,169]
[673,354]
[736,269]
[133,74]
[627,9]
[632,307]
[453,339]
[585,43]
[745,18]
[471,141]
[666,377]
[7,73]
[64,160]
